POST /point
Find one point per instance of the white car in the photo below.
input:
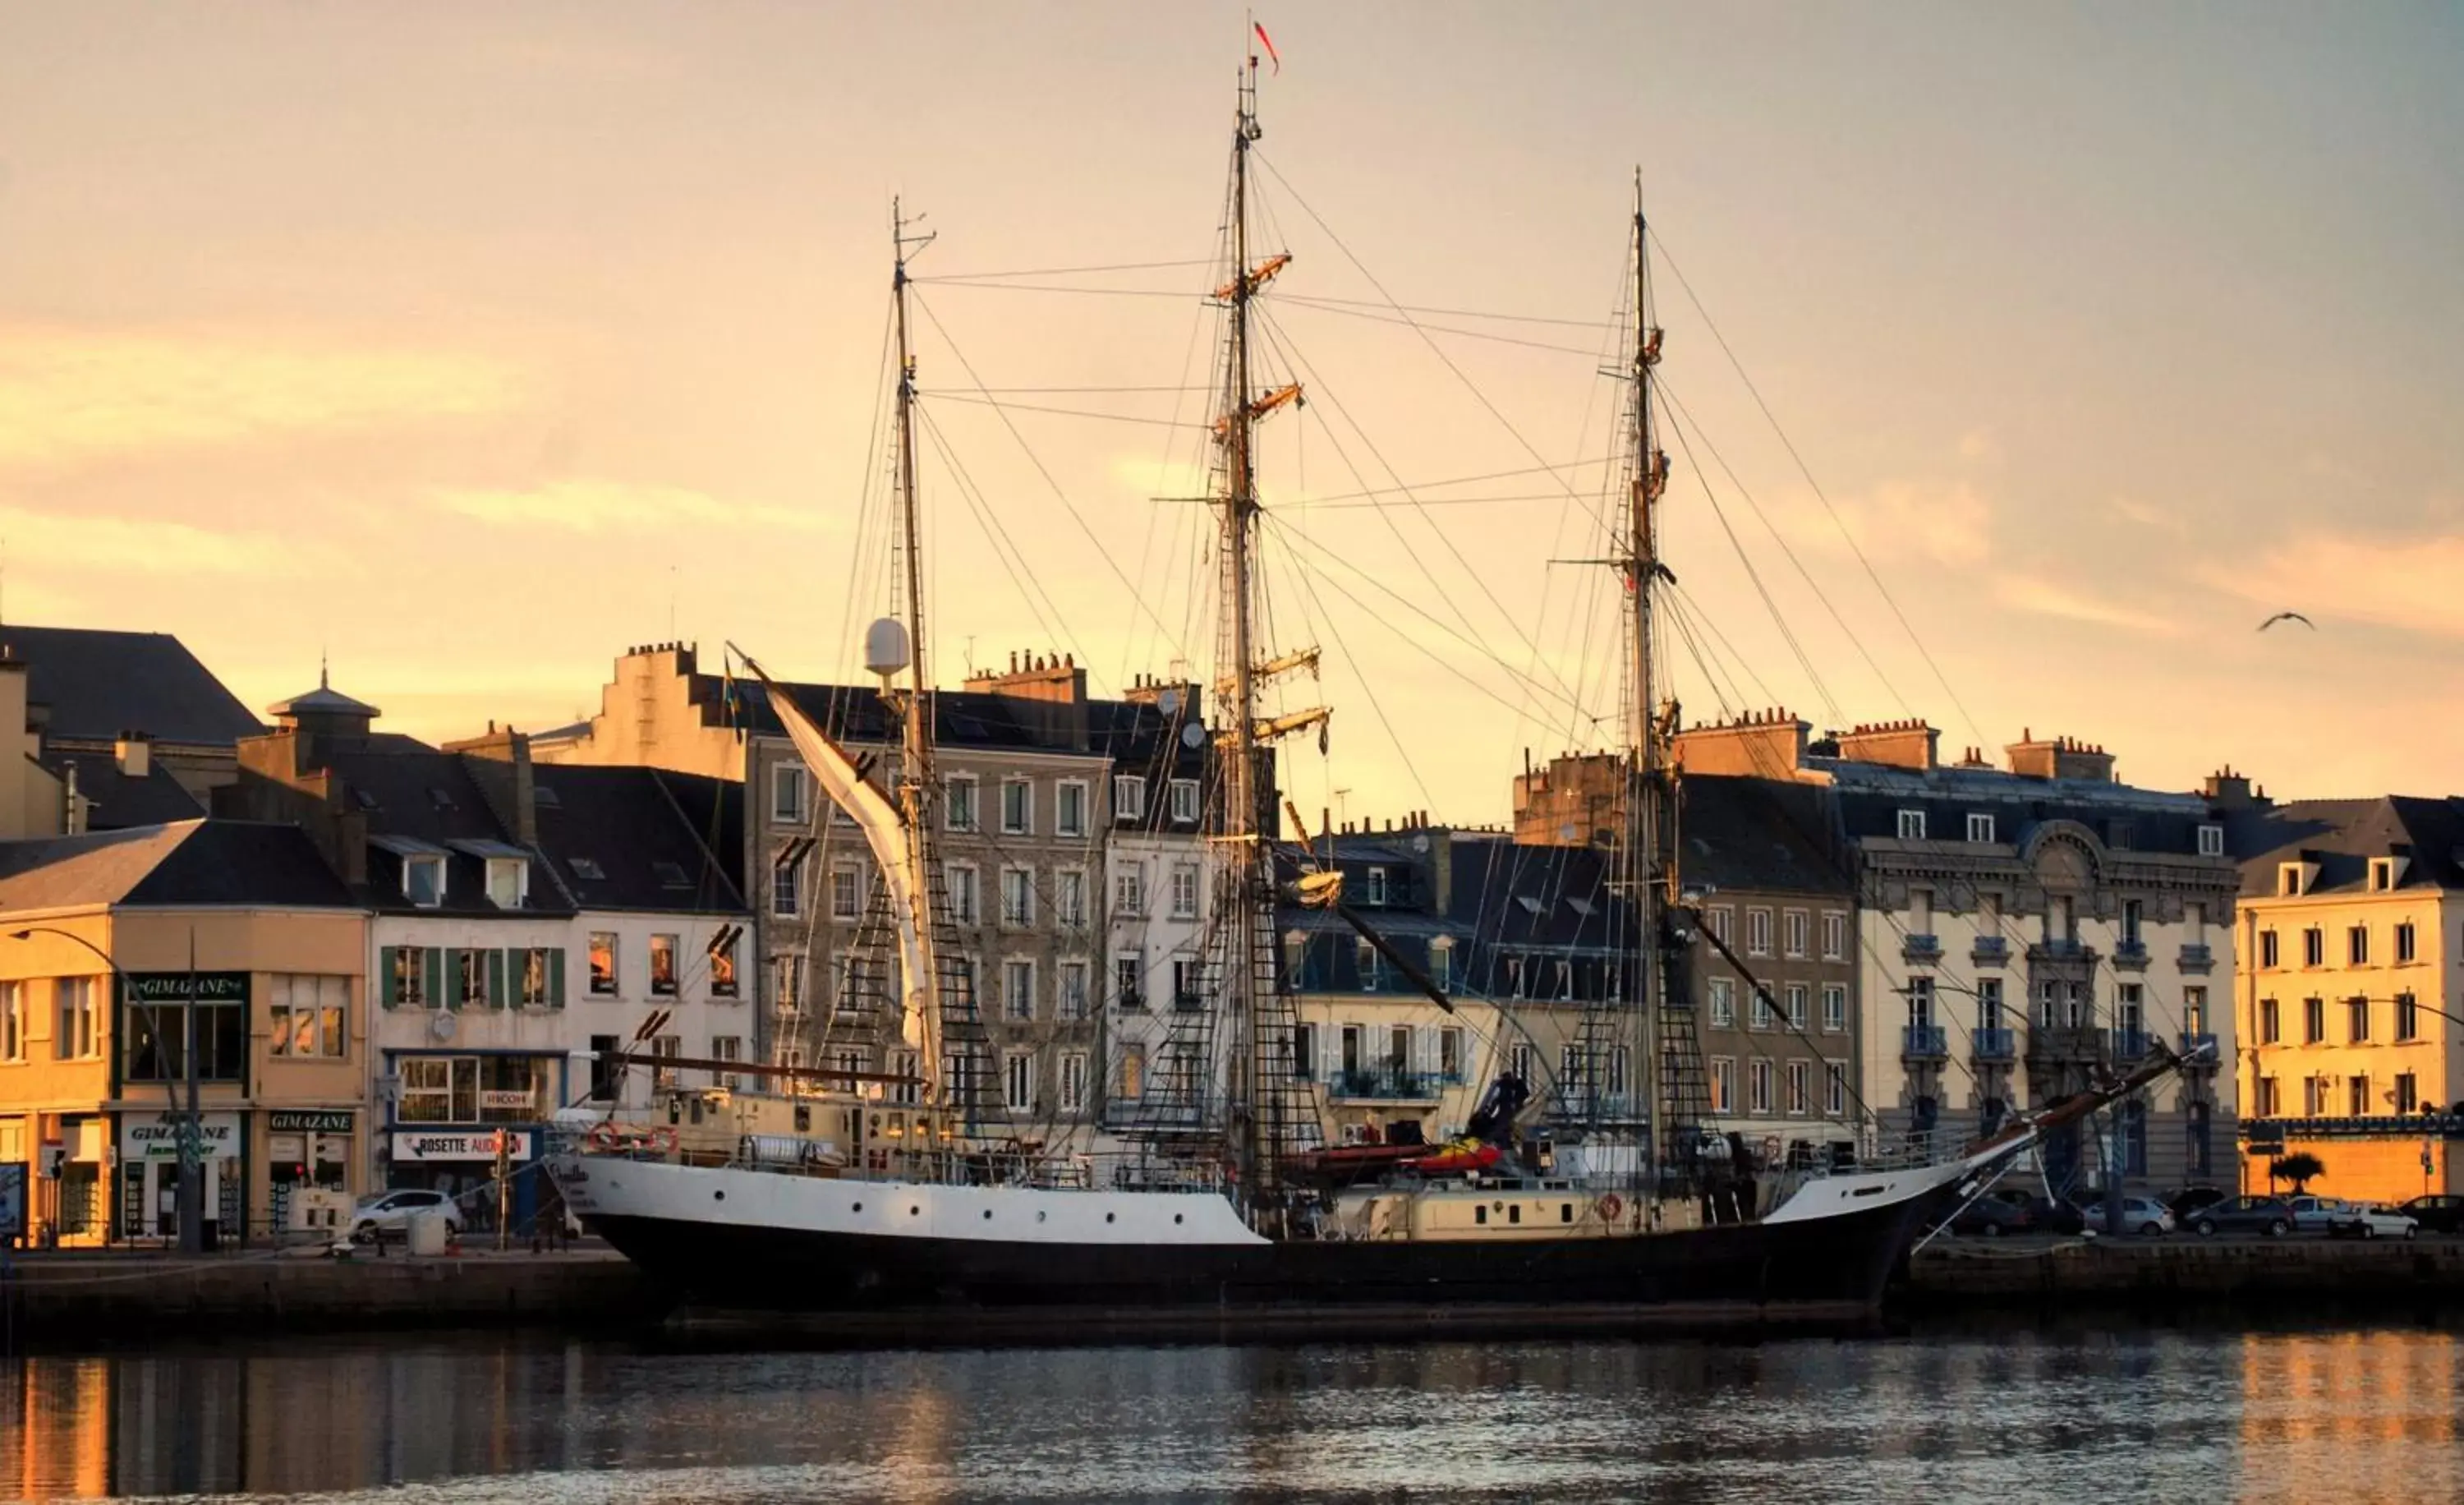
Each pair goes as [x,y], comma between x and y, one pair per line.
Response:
[2318,1214]
[2139,1215]
[2362,1222]
[386,1214]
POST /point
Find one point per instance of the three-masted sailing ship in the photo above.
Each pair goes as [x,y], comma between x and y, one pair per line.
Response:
[922,1204]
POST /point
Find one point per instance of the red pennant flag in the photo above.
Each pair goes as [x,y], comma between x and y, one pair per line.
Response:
[1260,26]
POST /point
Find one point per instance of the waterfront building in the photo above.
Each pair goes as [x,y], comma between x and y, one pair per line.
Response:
[1163,1060]
[108,939]
[2349,983]
[122,729]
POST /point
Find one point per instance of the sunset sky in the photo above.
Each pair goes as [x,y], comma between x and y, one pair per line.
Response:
[471,343]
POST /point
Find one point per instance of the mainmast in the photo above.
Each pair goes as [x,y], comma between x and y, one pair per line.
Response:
[915,780]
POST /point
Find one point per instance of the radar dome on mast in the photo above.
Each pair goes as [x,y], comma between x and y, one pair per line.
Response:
[885,647]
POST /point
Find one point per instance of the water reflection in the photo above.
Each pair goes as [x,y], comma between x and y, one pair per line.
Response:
[2053,1417]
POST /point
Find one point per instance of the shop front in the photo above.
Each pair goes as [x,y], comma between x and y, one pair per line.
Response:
[465,1163]
[448,1112]
[149,1175]
[307,1149]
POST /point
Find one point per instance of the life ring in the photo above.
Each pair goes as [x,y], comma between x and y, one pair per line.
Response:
[601,1135]
[1611,1206]
[662,1141]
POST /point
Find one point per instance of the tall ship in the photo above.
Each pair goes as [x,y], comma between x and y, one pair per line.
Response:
[838,1190]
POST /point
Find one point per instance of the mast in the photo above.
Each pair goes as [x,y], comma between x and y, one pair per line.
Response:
[915,781]
[1653,867]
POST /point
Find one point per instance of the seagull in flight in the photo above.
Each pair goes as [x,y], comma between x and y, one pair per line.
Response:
[2288,616]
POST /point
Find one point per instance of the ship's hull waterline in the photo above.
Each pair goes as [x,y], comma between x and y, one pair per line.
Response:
[804,1250]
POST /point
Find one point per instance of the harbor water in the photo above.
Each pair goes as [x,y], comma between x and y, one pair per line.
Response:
[2197,1415]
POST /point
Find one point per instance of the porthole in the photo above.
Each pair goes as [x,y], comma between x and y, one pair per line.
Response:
[988,1214]
[1039,1217]
[1109,1216]
[912,1212]
[1176,1217]
[858,1208]
[718,1196]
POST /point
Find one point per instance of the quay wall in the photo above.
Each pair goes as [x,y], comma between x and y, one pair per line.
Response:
[2269,1273]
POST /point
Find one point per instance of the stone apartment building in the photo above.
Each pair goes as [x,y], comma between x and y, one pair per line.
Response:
[2349,988]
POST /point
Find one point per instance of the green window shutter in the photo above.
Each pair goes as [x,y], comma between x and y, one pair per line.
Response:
[496,980]
[555,977]
[431,965]
[388,987]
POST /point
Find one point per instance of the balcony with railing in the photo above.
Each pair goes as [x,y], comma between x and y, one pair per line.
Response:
[1994,1045]
[1924,1043]
[2059,950]
[2198,956]
[2130,954]
[1915,947]
[1990,951]
[1384,1084]
[2129,1044]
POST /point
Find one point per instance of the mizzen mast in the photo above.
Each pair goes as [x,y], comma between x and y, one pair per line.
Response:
[916,783]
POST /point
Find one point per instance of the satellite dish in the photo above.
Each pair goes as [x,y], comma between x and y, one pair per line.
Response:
[1419,844]
[1168,701]
[441,1025]
[1192,735]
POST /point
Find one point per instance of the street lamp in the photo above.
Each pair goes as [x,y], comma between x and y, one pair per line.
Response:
[191,1196]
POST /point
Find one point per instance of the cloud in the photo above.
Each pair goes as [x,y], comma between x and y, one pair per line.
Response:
[2026,593]
[2401,583]
[73,397]
[106,546]
[1950,526]
[2147,514]
[608,506]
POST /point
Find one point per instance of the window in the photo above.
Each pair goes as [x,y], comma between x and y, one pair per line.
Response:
[959,878]
[534,983]
[309,1016]
[1129,797]
[962,814]
[1619,1062]
[2381,875]
[2314,1021]
[846,893]
[13,1021]
[2133,912]
[1073,1082]
[2288,880]
[1980,828]
[1185,891]
[1800,1089]
[1070,807]
[2194,1011]
[788,793]
[786,886]
[2212,841]
[508,881]
[2407,1017]
[1130,889]
[1375,880]
[2357,1094]
[1796,995]
[908,1065]
[1834,1088]
[427,1094]
[157,1032]
[726,1047]
[1759,1086]
[1017,807]
[1184,801]
[1723,1084]
[423,881]
[1723,1002]
[787,982]
[471,980]
[1450,1053]
[2314,947]
[1129,973]
[1721,919]
[2407,1093]
[1793,932]
[1364,961]
[604,1074]
[1834,1008]
[1561,974]
[2129,1010]
[664,1047]
[1070,898]
[1018,987]
[1073,989]
[1018,1081]
[1519,1061]
[2270,1028]
[2267,953]
[1758,932]
[1134,1073]
[602,963]
[2358,1021]
[1442,963]
[663,965]
[2404,943]
[1017,896]
[1834,936]
[1988,1003]
[2270,1098]
[2357,946]
[1912,824]
[1760,1013]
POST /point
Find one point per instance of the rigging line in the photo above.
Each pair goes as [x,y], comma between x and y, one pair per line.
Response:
[875,445]
[1790,554]
[1084,292]
[1005,547]
[1693,609]
[1065,412]
[1334,557]
[1409,323]
[1315,301]
[1004,391]
[1369,689]
[1806,471]
[1075,516]
[1466,480]
[1122,266]
[1778,619]
[1435,502]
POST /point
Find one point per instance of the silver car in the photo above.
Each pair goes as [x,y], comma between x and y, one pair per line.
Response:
[2144,1215]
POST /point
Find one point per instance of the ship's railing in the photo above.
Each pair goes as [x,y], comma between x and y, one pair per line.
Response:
[949,1166]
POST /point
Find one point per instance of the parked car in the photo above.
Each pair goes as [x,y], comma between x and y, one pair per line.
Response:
[386,1214]
[2045,1214]
[2315,1214]
[2143,1215]
[2191,1199]
[2367,1222]
[2436,1214]
[1991,1217]
[2272,1216]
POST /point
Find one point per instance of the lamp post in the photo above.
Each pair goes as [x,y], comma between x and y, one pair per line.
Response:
[190,1203]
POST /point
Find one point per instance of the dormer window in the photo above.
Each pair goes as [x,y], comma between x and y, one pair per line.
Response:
[1980,829]
[1378,885]
[1912,824]
[2383,874]
[2212,841]
[423,881]
[1129,797]
[1184,801]
[508,881]
[2292,879]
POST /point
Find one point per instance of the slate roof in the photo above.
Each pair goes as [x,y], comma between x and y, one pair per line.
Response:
[121,802]
[195,862]
[2343,835]
[1869,797]
[101,683]
[418,802]
[1759,834]
[640,844]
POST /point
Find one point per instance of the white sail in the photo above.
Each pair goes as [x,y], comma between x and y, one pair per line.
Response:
[878,817]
